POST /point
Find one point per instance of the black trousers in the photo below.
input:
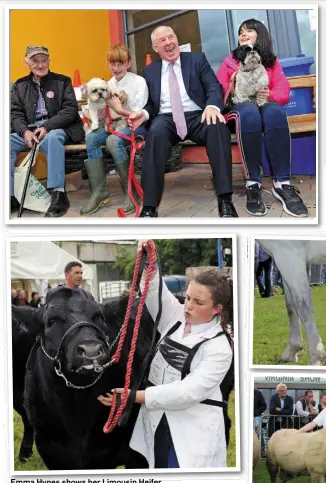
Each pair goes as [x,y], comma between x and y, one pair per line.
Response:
[162,135]
[265,267]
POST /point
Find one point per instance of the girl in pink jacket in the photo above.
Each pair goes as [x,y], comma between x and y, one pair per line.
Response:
[251,120]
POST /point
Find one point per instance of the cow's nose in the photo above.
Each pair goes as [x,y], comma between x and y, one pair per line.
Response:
[90,351]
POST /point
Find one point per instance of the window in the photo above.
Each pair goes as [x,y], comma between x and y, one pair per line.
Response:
[215,32]
[238,16]
[307,33]
[204,30]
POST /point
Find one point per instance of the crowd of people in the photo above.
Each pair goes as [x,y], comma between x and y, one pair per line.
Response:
[305,414]
[19,297]
[179,97]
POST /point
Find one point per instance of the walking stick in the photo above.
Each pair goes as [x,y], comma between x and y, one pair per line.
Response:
[31,162]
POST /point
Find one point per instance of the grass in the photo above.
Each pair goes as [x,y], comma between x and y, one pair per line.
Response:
[261,475]
[231,456]
[35,463]
[271,327]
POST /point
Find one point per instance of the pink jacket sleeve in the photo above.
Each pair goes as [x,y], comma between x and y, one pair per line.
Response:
[223,76]
[279,87]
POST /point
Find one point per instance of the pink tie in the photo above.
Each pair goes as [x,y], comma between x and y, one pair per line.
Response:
[187,329]
[176,104]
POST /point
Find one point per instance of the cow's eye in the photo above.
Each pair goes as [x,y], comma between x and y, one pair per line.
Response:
[50,322]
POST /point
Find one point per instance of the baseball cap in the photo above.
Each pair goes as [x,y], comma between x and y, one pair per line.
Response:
[32,50]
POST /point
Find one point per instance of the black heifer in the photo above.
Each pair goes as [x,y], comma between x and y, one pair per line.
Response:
[68,421]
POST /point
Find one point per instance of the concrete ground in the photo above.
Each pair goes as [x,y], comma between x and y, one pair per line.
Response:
[189,193]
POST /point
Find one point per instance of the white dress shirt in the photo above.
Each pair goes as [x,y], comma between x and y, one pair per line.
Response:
[165,101]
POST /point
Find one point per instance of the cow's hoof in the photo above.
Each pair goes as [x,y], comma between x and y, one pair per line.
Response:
[25,454]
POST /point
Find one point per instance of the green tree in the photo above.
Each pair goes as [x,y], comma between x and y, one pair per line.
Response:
[176,255]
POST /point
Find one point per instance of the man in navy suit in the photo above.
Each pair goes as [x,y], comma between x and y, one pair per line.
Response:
[185,102]
[280,408]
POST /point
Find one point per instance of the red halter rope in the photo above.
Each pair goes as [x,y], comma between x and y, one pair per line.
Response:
[115,415]
[131,173]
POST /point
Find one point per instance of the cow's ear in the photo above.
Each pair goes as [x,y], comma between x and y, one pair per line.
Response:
[27,319]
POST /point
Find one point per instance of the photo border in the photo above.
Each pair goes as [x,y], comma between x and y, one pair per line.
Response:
[251,285]
[122,473]
[131,221]
[253,376]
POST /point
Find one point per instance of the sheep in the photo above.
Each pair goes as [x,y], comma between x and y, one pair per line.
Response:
[294,453]
[255,450]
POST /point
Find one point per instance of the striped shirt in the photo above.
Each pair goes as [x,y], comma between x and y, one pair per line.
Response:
[41,110]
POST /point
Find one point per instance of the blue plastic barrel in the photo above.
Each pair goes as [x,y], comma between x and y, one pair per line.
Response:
[300,98]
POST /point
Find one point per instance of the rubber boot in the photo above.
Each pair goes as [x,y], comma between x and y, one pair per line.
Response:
[123,169]
[100,194]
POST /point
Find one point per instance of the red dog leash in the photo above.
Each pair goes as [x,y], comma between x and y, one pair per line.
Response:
[132,180]
[114,412]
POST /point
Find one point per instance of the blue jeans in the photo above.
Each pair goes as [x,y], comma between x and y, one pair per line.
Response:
[53,147]
[271,120]
[115,145]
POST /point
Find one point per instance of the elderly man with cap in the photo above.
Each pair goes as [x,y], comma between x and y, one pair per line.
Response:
[48,101]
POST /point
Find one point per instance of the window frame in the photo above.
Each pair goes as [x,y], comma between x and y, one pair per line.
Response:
[282,25]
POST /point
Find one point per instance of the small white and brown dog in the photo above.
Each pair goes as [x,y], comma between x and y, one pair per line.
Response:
[98,93]
[252,75]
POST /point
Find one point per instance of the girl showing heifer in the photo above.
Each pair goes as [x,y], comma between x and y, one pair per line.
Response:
[252,120]
[181,423]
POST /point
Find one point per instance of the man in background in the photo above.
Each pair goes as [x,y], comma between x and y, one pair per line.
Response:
[306,409]
[74,277]
[263,271]
[280,410]
[322,404]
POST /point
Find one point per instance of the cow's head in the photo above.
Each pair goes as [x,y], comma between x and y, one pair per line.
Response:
[75,335]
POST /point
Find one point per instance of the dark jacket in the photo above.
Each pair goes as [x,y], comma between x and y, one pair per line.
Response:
[259,403]
[286,422]
[199,79]
[34,304]
[84,293]
[62,107]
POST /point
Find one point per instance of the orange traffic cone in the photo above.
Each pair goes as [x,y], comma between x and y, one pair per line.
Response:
[148,59]
[77,81]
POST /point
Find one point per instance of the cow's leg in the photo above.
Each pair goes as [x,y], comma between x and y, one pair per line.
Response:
[295,339]
[26,447]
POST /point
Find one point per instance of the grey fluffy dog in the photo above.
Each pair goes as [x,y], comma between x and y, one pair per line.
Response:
[252,75]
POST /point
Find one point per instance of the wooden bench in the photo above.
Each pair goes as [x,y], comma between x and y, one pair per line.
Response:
[191,153]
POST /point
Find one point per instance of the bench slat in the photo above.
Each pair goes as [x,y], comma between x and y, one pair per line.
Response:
[302,81]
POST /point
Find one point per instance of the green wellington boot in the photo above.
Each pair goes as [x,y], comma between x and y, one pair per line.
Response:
[100,194]
[123,169]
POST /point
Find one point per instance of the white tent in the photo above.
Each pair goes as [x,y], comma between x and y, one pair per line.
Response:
[42,262]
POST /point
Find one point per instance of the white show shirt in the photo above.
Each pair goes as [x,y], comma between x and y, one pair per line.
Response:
[136,88]
[197,430]
[320,420]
